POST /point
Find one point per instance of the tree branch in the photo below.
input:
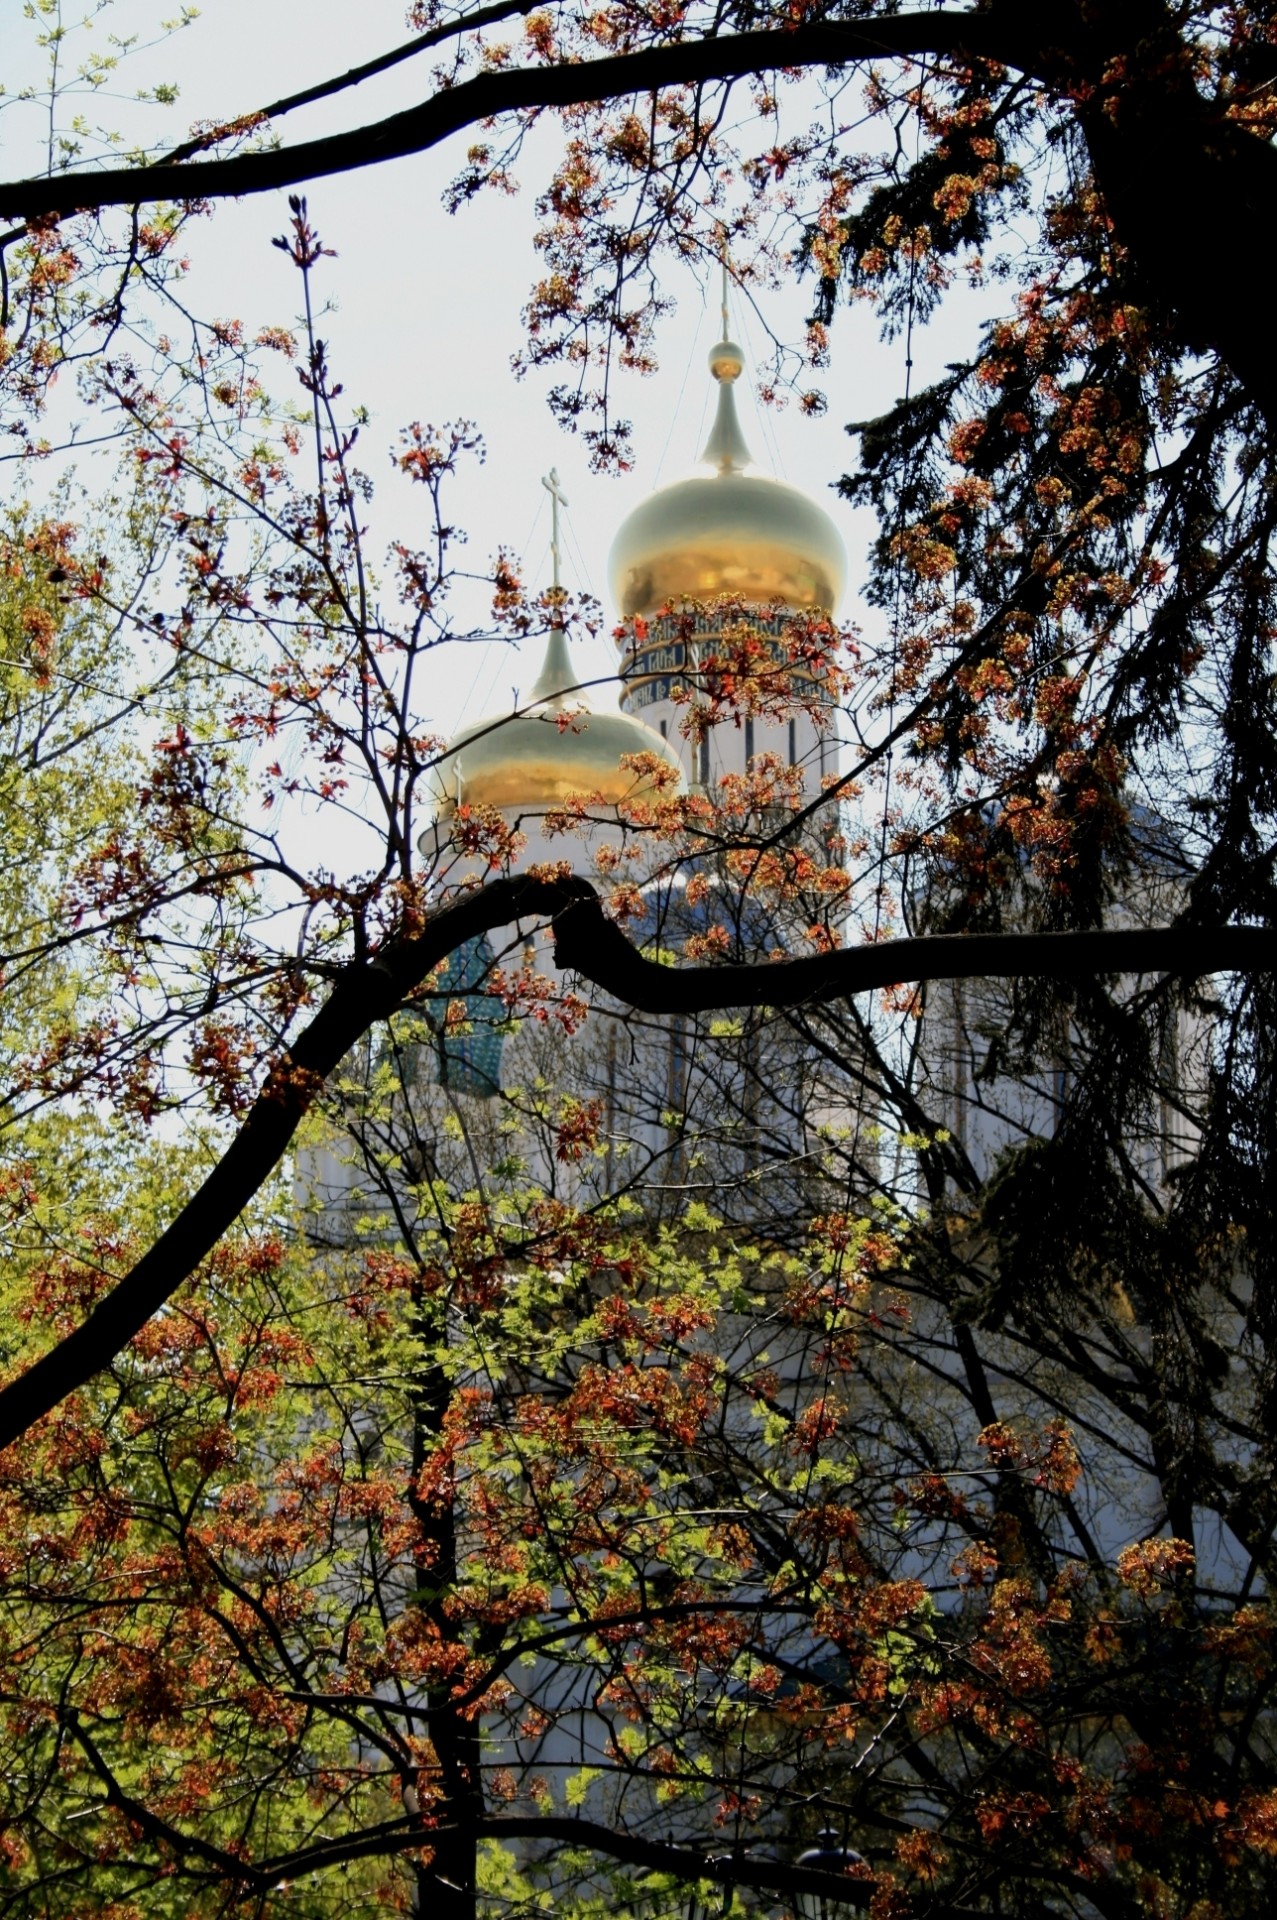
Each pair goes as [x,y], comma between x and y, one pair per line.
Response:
[587,943]
[355,76]
[683,1863]
[1177,177]
[512,90]
[362,996]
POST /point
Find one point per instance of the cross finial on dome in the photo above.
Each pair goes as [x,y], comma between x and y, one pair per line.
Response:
[550,482]
[556,678]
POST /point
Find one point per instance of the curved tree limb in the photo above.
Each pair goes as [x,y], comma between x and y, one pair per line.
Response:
[507,90]
[587,943]
[362,996]
[1181,180]
[612,1842]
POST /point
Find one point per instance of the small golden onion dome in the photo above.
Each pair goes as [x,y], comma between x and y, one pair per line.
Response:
[733,531]
[534,760]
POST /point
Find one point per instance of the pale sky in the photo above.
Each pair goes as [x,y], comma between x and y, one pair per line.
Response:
[428,306]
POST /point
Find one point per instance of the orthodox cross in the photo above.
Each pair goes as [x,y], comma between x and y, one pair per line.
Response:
[726,328]
[559,499]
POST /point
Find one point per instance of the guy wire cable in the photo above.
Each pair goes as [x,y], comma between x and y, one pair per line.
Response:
[677,411]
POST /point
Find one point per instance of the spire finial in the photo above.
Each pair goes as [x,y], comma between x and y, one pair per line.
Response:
[726,448]
[550,482]
[556,678]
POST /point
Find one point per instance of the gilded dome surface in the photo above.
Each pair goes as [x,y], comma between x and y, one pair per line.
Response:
[731,531]
[556,749]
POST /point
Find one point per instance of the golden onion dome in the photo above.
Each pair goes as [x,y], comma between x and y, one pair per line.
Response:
[732,531]
[557,749]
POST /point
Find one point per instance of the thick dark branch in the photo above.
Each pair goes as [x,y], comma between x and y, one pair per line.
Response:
[613,1843]
[586,942]
[658,1856]
[589,944]
[419,128]
[362,996]
[1180,181]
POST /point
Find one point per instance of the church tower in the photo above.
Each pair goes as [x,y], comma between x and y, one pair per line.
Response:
[729,531]
[555,747]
